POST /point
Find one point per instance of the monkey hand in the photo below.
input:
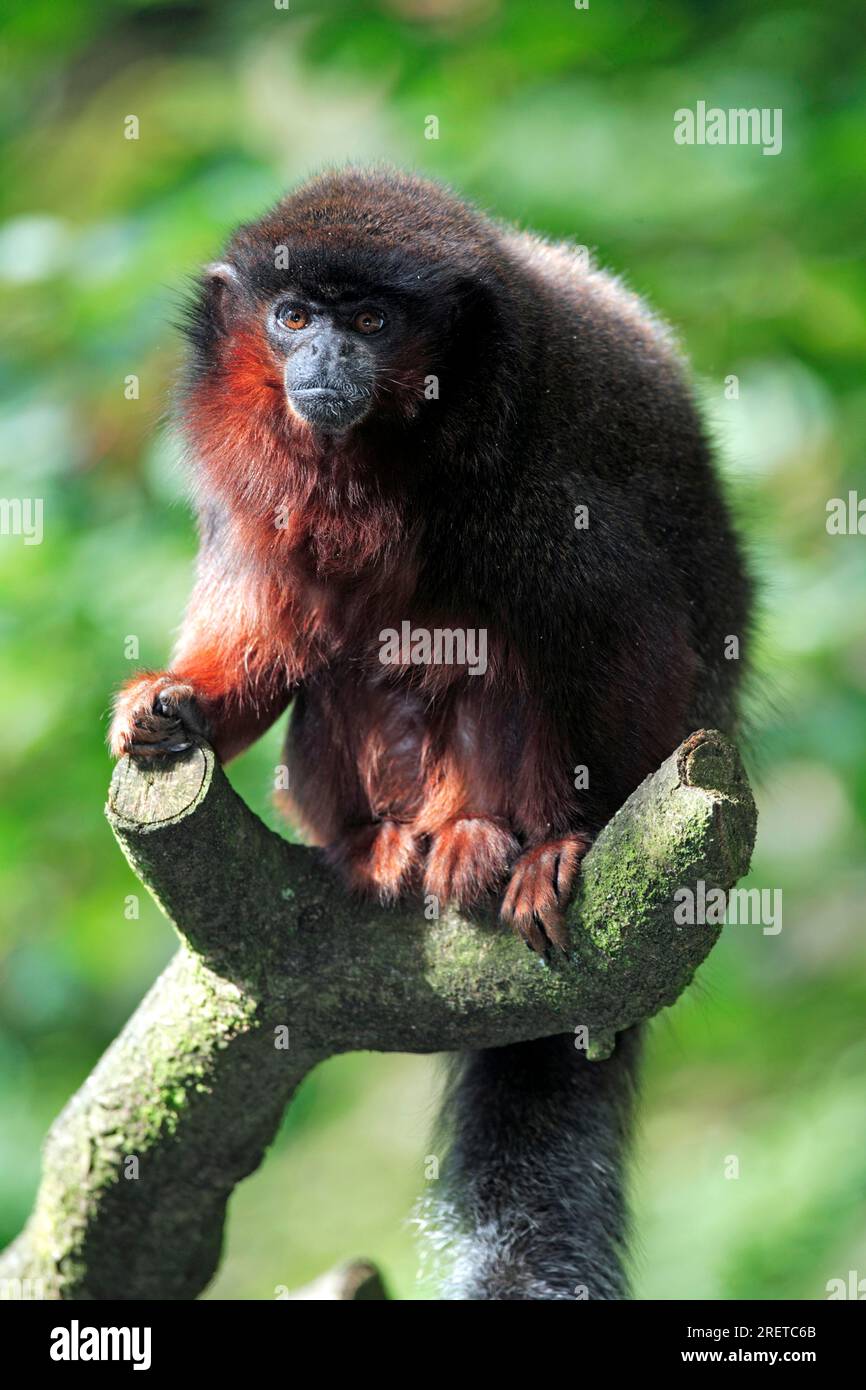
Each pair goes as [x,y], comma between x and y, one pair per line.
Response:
[542,882]
[156,716]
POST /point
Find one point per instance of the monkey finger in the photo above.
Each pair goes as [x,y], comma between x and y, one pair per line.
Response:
[154,735]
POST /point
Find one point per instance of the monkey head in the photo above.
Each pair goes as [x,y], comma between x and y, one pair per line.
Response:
[336,313]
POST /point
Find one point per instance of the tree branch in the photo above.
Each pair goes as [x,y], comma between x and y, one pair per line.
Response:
[279,968]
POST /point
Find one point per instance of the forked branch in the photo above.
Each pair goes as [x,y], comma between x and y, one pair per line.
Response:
[278,968]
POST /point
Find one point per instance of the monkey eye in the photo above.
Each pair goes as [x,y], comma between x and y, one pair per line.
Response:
[293,316]
[368,321]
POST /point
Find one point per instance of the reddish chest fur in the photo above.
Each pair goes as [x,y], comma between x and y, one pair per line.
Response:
[326,524]
[331,557]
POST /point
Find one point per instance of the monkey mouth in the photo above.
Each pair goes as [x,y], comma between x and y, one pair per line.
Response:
[330,407]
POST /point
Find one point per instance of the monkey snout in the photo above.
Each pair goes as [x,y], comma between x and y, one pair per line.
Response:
[327,387]
[330,405]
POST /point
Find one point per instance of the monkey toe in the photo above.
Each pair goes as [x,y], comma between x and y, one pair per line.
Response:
[468,859]
[538,893]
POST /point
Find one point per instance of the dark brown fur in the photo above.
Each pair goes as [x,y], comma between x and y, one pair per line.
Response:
[556,389]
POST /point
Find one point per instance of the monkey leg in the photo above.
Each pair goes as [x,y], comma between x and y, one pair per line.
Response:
[380,860]
[468,858]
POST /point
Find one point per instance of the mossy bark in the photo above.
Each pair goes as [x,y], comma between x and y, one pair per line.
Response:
[278,969]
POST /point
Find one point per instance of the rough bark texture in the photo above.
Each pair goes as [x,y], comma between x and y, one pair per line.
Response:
[272,951]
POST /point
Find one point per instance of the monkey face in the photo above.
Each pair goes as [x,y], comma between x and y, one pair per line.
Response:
[331,353]
[338,347]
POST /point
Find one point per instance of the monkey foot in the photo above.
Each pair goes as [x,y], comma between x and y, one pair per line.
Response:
[155,717]
[380,859]
[540,887]
[468,859]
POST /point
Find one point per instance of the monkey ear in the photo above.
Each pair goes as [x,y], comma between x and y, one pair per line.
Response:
[223,272]
[471,301]
[221,283]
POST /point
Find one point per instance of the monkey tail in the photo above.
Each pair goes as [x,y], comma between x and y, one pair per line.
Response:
[531,1202]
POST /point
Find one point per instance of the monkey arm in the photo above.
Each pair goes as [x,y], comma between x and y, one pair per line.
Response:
[240,671]
[231,675]
[240,654]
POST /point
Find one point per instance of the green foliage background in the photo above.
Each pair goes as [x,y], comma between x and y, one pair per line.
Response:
[561,119]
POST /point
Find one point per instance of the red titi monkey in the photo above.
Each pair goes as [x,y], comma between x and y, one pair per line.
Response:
[399,411]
